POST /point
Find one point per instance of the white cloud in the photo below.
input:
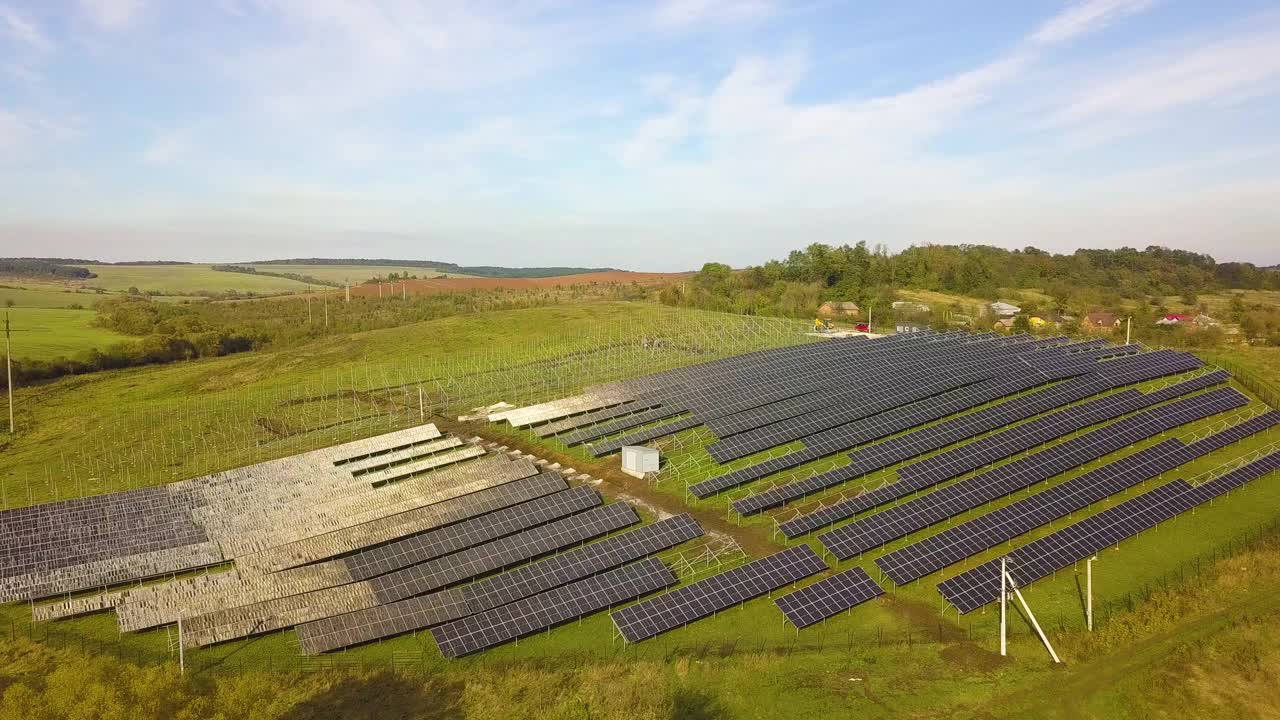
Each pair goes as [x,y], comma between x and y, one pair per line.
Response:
[1239,68]
[24,30]
[341,55]
[683,14]
[168,148]
[1084,17]
[111,15]
[651,140]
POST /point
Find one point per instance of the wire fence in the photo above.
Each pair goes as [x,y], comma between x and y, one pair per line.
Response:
[194,433]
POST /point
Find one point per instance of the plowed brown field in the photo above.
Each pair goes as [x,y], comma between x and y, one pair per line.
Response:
[452,285]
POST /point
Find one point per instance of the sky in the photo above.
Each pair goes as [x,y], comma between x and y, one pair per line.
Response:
[648,135]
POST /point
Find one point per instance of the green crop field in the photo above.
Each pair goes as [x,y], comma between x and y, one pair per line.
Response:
[46,296]
[356,274]
[186,280]
[900,656]
[44,333]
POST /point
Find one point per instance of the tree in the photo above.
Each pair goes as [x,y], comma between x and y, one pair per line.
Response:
[1022,324]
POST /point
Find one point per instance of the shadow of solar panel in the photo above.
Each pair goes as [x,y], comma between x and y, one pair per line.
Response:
[718,592]
[828,597]
[545,610]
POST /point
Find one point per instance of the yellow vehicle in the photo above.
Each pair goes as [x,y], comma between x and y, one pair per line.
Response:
[823,326]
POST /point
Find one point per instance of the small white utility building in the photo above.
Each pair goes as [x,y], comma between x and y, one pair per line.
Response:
[637,460]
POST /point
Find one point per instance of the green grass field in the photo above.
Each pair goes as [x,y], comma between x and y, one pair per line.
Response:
[44,333]
[186,280]
[46,296]
[901,656]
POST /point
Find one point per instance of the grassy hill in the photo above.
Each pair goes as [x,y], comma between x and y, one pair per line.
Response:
[187,280]
[1184,611]
[43,333]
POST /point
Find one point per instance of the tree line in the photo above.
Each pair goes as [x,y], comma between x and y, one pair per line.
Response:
[250,270]
[36,268]
[795,286]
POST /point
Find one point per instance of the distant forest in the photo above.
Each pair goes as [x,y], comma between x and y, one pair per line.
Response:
[34,267]
[1081,281]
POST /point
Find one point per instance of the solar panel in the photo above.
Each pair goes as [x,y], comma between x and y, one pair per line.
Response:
[718,592]
[901,520]
[468,533]
[387,529]
[501,553]
[1125,371]
[828,597]
[981,533]
[981,585]
[439,607]
[881,455]
[542,611]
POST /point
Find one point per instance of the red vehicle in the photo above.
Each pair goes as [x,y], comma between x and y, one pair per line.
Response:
[862,327]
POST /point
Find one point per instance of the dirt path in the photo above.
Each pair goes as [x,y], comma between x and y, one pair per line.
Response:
[615,483]
[1069,695]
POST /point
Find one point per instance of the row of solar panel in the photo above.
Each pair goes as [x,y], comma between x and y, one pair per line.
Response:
[776,383]
[982,533]
[710,402]
[902,520]
[981,585]
[884,454]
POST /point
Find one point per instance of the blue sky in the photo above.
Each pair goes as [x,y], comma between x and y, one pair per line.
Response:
[648,135]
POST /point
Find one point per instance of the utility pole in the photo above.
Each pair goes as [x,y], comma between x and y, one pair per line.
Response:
[348,284]
[308,310]
[8,363]
[182,657]
[1128,325]
[1004,599]
[326,309]
[1088,584]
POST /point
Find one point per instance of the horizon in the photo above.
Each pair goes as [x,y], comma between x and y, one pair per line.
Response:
[648,136]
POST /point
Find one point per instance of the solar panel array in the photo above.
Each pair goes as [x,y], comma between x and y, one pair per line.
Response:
[899,521]
[828,597]
[718,592]
[981,585]
[1008,381]
[508,622]
[428,610]
[986,451]
[981,533]
[416,549]
[504,552]
[884,454]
